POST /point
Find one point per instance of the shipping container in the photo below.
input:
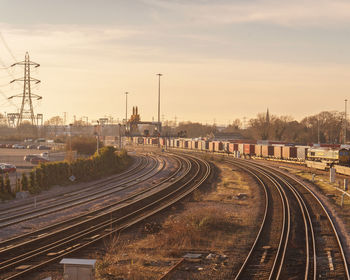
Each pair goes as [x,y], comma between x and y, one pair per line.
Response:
[218,146]
[197,145]
[241,148]
[206,145]
[226,146]
[289,152]
[277,151]
[258,150]
[186,144]
[249,149]
[302,152]
[211,146]
[267,151]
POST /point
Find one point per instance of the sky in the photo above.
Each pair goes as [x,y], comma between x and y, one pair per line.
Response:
[221,60]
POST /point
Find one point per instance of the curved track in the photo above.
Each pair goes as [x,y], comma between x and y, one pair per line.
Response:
[308,243]
[51,247]
[97,190]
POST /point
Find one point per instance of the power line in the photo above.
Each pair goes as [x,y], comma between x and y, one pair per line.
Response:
[8,100]
[7,47]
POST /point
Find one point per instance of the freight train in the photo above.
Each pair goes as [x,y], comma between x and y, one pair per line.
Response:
[329,155]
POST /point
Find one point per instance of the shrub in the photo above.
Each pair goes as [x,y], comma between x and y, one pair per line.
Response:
[7,183]
[107,162]
[85,145]
[24,182]
[2,184]
[32,186]
[196,228]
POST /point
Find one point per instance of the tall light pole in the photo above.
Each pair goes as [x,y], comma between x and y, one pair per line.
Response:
[159,75]
[126,109]
[98,138]
[318,129]
[345,121]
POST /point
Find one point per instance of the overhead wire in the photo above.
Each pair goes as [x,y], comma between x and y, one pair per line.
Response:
[7,47]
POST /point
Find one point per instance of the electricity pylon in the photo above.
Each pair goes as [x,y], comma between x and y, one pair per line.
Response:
[27,111]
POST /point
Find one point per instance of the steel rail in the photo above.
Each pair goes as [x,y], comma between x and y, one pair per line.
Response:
[120,203]
[142,210]
[263,223]
[88,196]
[326,211]
[308,223]
[43,232]
[284,234]
[140,160]
[309,233]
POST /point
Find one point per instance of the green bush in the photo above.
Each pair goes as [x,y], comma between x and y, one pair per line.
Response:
[108,161]
[24,182]
[7,183]
[2,184]
[32,186]
[84,145]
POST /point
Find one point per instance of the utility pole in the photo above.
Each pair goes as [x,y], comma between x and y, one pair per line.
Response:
[345,121]
[318,129]
[159,75]
[126,109]
[26,111]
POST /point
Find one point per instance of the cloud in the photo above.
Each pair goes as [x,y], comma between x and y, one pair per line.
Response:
[287,13]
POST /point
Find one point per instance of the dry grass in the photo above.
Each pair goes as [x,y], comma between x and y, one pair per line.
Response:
[327,188]
[211,221]
[203,227]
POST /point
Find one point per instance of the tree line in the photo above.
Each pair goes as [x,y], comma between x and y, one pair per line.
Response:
[326,127]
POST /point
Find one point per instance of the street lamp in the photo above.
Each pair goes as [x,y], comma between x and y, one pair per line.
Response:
[98,137]
[126,108]
[159,75]
[345,121]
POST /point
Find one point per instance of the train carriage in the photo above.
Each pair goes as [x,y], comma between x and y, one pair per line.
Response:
[341,156]
[277,151]
[258,150]
[211,146]
[232,147]
[302,152]
[289,152]
[267,151]
[241,148]
[249,149]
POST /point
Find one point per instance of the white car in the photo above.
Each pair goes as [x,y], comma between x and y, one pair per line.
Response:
[45,155]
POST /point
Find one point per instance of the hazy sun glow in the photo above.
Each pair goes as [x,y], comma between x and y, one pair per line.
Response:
[220,59]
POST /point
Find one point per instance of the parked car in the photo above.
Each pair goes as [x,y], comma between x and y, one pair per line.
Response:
[2,145]
[42,147]
[32,147]
[29,157]
[45,155]
[9,146]
[7,168]
[17,146]
[37,160]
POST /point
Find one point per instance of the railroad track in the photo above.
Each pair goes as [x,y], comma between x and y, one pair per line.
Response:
[54,227]
[297,238]
[23,205]
[52,247]
[94,192]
